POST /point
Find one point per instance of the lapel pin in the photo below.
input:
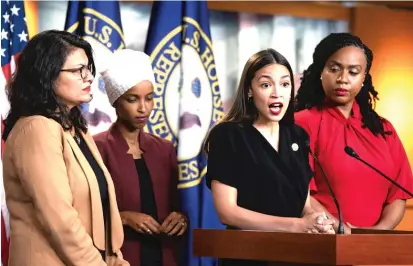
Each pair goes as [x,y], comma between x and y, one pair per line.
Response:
[294,147]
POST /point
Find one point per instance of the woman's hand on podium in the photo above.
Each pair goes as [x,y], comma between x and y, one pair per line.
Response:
[347,228]
[324,224]
[317,223]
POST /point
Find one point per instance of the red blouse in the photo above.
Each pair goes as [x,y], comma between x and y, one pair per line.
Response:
[360,191]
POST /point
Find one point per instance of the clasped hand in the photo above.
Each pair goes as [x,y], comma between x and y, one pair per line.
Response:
[318,223]
[174,224]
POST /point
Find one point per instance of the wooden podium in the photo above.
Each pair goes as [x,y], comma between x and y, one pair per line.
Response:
[362,247]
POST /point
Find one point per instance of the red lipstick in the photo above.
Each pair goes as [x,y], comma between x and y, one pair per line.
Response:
[341,92]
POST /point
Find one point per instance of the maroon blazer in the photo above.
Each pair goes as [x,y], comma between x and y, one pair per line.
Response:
[160,158]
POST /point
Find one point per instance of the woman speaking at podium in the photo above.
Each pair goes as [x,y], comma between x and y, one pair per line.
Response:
[335,104]
[258,167]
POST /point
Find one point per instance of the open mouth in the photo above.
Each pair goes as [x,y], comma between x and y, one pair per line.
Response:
[275,108]
[141,119]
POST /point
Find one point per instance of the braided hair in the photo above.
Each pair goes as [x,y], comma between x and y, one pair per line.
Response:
[311,92]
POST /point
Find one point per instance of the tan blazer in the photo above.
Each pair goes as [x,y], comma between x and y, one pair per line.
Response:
[54,200]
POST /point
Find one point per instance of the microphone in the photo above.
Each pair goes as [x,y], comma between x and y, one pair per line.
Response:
[333,195]
[353,154]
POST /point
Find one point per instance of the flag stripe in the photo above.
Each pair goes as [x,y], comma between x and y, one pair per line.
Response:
[13,39]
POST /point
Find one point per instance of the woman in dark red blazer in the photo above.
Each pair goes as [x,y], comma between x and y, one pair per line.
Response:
[143,167]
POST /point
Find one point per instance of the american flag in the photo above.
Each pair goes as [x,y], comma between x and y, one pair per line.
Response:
[14,37]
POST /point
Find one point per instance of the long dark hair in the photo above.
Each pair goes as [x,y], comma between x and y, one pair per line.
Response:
[242,109]
[311,92]
[31,89]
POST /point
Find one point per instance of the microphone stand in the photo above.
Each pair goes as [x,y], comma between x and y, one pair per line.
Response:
[340,230]
[353,154]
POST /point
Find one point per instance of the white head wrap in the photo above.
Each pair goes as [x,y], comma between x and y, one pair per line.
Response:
[126,68]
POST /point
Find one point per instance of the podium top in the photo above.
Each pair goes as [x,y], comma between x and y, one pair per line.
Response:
[364,247]
[379,232]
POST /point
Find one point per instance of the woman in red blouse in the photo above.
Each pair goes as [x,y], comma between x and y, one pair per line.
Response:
[335,104]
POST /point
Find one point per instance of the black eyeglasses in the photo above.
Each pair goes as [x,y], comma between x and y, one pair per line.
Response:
[84,71]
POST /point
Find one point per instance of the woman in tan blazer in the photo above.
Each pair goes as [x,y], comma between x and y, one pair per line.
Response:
[61,198]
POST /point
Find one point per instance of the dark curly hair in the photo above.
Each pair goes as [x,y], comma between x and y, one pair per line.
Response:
[312,94]
[31,89]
